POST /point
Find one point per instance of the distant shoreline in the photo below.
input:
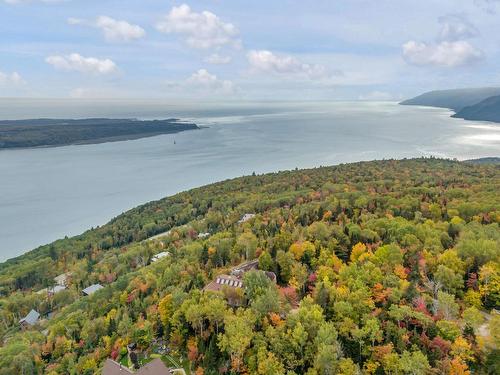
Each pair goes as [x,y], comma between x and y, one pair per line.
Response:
[473,104]
[44,133]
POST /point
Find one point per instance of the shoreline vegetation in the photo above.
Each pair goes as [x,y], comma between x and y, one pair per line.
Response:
[63,132]
[384,267]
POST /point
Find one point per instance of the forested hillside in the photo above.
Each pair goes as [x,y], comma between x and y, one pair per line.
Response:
[487,110]
[455,99]
[388,267]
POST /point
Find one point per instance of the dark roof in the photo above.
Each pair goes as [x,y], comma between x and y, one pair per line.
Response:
[245,267]
[155,367]
[114,368]
[56,289]
[271,275]
[31,318]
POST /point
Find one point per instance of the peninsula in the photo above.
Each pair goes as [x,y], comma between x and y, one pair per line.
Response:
[479,104]
[61,132]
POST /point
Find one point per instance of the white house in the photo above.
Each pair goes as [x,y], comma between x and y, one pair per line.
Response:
[246,217]
[158,256]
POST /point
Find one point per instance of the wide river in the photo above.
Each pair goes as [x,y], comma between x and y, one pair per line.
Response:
[48,193]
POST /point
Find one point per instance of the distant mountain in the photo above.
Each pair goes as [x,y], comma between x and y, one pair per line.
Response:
[490,160]
[454,99]
[487,110]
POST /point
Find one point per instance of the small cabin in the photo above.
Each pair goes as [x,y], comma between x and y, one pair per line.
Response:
[159,256]
[55,289]
[245,218]
[62,279]
[30,320]
[91,289]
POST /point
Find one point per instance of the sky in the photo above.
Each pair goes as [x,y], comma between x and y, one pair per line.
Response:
[246,50]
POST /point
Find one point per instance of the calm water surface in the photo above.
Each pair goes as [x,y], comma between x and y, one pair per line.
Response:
[48,193]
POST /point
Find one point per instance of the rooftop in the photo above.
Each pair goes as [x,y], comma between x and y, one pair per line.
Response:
[246,217]
[62,278]
[221,280]
[56,289]
[245,267]
[92,289]
[31,318]
[155,367]
[158,256]
[114,368]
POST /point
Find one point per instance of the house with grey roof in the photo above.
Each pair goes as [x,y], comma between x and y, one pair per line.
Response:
[91,289]
[30,320]
[62,279]
[114,368]
[55,289]
[155,367]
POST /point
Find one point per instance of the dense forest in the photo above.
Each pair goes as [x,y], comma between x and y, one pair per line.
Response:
[59,132]
[387,267]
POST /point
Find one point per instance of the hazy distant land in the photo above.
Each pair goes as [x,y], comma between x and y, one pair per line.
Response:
[486,110]
[487,160]
[60,132]
[478,104]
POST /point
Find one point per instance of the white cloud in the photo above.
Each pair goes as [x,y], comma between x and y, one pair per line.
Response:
[202,30]
[13,78]
[451,50]
[488,6]
[113,30]
[445,54]
[218,59]
[202,79]
[267,61]
[455,28]
[76,62]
